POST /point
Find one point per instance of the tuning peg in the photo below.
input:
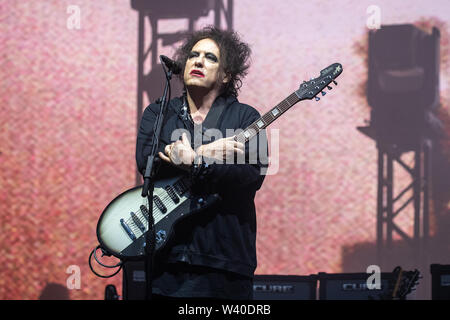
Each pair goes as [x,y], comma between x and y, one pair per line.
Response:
[317,98]
[329,88]
[323,93]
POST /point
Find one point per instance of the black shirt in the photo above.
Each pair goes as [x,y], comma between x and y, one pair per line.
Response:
[223,237]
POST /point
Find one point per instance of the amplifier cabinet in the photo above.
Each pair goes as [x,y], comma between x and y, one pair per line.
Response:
[353,286]
[284,287]
[440,282]
[134,282]
[265,287]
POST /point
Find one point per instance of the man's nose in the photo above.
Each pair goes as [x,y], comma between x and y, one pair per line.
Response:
[198,62]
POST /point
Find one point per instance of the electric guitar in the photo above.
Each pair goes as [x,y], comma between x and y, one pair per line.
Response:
[122,227]
[405,283]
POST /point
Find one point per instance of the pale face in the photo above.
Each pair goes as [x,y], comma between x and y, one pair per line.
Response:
[203,66]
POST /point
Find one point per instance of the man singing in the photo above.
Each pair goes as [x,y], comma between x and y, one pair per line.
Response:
[213,252]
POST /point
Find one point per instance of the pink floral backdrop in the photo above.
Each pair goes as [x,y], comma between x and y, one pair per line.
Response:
[68,128]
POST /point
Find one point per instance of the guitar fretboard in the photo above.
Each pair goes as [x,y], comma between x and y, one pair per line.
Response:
[269,117]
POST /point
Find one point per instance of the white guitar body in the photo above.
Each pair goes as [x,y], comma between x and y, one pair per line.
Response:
[123,224]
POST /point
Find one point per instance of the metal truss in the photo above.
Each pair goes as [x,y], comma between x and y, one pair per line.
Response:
[151,84]
[390,205]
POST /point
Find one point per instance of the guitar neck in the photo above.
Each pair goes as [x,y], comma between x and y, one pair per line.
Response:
[269,117]
[307,90]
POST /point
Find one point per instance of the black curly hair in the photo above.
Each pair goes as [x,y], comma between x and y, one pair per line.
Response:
[234,53]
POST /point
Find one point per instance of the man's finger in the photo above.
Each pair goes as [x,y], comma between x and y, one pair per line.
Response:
[164,157]
[185,140]
[239,145]
[167,149]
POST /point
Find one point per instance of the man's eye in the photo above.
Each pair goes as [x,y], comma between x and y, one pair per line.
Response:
[212,57]
[193,54]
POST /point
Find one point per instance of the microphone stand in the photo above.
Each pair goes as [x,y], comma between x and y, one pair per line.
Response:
[148,187]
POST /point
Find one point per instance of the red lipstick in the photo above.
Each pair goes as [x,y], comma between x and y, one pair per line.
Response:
[197,73]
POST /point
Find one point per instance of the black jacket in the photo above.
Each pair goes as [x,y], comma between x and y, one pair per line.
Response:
[224,236]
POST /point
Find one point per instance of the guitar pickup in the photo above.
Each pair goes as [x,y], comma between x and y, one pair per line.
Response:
[137,222]
[180,187]
[172,194]
[144,211]
[159,204]
[127,229]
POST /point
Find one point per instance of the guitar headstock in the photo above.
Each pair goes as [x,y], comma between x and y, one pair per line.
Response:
[310,89]
[405,283]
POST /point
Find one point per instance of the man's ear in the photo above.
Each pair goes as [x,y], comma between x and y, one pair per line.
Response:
[226,78]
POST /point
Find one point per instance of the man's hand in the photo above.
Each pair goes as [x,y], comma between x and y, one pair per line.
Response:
[221,149]
[179,153]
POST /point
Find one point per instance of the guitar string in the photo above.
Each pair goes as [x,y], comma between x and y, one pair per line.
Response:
[268,118]
[156,214]
[165,199]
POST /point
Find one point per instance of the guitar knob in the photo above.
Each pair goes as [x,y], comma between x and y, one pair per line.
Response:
[200,201]
[160,236]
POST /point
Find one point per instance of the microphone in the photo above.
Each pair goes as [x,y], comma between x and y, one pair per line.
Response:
[171,65]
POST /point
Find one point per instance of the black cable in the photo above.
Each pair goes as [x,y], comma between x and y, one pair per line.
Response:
[104,265]
[93,253]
